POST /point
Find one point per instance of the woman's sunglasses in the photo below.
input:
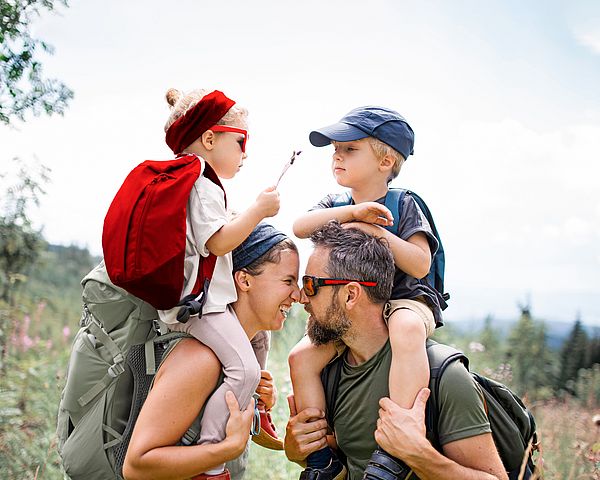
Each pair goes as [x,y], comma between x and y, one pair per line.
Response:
[311,284]
[226,128]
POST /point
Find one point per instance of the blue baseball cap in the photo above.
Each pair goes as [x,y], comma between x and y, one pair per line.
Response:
[379,122]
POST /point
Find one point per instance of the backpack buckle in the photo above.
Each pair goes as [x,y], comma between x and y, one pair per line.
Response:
[116,369]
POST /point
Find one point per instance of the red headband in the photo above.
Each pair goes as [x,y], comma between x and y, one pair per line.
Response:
[197,120]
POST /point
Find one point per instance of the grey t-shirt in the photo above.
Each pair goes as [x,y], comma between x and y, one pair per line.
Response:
[412,221]
[462,413]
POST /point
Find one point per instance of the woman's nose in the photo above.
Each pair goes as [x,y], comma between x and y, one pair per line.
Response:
[296,294]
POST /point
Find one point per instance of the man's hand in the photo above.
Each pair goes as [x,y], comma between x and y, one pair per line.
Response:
[372,212]
[304,436]
[267,390]
[401,432]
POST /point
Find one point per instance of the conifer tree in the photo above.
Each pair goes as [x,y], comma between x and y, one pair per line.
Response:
[528,354]
[573,355]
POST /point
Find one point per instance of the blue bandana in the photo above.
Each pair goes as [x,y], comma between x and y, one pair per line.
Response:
[259,242]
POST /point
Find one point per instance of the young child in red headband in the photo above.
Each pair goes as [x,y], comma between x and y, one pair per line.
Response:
[212,127]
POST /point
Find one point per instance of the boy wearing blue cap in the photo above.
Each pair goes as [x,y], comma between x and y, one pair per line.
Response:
[370,146]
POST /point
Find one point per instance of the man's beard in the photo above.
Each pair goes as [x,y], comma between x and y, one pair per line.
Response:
[331,328]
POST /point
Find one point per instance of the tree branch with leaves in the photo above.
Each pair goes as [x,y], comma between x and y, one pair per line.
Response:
[23,87]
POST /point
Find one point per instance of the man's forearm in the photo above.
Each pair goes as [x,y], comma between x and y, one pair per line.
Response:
[430,464]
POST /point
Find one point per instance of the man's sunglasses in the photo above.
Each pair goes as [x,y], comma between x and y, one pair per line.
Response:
[311,284]
[226,128]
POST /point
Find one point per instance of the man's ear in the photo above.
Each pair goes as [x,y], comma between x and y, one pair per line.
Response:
[208,139]
[352,294]
[242,280]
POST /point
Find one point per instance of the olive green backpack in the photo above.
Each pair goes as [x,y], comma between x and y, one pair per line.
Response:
[113,361]
[513,426]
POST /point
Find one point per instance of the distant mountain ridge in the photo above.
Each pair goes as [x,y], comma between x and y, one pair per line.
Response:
[557,331]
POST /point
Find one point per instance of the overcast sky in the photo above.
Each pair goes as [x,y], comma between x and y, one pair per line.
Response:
[503,97]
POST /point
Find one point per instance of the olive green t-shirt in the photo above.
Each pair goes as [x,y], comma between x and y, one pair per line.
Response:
[461,415]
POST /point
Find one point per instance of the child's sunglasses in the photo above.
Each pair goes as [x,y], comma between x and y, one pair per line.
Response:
[311,284]
[226,128]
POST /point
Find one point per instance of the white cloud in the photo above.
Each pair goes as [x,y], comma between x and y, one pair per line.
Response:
[590,40]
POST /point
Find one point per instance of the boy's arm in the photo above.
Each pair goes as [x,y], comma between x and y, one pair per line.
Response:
[412,256]
[306,224]
[232,234]
[370,212]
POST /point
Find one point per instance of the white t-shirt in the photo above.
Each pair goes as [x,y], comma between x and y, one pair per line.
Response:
[206,213]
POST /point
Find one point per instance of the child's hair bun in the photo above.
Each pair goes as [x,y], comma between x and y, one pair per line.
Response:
[172,96]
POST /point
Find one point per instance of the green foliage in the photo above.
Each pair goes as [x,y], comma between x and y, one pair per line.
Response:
[23,87]
[528,355]
[38,330]
[20,244]
[28,399]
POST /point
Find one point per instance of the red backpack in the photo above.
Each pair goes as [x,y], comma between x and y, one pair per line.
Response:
[144,232]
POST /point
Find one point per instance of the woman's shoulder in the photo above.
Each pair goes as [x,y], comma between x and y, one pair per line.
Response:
[190,358]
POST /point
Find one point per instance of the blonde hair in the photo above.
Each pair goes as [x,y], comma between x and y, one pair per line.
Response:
[180,103]
[381,150]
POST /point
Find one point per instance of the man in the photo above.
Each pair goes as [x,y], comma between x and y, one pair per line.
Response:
[350,314]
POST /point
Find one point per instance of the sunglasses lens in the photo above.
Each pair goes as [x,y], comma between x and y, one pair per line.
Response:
[309,286]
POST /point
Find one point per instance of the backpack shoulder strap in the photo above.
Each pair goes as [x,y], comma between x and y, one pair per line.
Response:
[330,377]
[425,209]
[439,356]
[394,199]
[342,199]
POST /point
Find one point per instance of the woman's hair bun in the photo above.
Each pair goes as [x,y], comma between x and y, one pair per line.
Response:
[172,96]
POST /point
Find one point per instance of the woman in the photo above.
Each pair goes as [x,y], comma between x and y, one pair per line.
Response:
[266,280]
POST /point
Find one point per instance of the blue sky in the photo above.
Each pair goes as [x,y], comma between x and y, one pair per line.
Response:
[502,96]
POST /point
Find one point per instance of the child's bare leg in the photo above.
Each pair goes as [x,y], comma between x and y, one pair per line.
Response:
[306,362]
[409,370]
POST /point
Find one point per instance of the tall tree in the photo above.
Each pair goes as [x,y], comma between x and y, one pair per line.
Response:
[528,353]
[20,243]
[573,355]
[23,87]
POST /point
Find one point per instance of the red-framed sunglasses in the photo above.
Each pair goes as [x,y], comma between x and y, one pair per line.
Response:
[311,284]
[226,128]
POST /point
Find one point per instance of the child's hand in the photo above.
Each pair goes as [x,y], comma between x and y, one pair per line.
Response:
[372,212]
[267,202]
[266,389]
[238,426]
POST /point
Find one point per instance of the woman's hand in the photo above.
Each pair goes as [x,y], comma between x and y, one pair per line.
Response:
[238,426]
[267,390]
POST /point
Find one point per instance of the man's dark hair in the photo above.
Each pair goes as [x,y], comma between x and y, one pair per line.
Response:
[356,255]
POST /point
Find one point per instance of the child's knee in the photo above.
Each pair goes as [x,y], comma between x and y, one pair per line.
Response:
[404,324]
